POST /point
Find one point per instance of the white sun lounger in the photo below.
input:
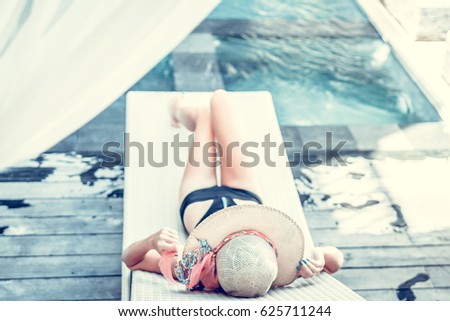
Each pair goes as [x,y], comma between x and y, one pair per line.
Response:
[151,193]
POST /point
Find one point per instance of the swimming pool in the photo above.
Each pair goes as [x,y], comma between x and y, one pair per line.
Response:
[305,10]
[321,60]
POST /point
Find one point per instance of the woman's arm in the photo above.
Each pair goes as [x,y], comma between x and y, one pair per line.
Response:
[145,254]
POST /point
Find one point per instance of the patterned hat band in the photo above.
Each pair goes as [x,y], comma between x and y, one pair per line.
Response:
[197,269]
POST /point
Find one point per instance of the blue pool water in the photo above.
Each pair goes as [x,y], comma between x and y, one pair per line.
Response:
[336,71]
[305,10]
[160,78]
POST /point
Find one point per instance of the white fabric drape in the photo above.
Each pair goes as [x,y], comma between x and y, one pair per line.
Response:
[63,61]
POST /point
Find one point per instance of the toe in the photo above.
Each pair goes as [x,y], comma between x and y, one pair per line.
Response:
[175,110]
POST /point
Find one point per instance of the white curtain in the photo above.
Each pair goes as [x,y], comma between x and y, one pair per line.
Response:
[63,61]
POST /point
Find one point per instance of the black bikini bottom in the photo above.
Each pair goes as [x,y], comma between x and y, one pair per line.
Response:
[222,197]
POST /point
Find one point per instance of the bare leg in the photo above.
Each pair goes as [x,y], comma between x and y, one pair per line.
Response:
[229,129]
[197,174]
[230,134]
[183,114]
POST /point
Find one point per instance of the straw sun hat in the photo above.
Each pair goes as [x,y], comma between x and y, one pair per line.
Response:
[243,249]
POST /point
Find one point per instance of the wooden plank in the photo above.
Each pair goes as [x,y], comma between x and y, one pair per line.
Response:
[397,256]
[60,266]
[380,295]
[333,183]
[61,160]
[393,235]
[57,160]
[72,189]
[428,294]
[367,214]
[26,174]
[321,219]
[31,245]
[385,278]
[62,225]
[62,207]
[335,237]
[431,237]
[439,275]
[313,200]
[77,288]
[336,220]
[392,278]
[86,173]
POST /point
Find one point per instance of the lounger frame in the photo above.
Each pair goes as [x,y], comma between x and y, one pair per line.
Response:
[151,190]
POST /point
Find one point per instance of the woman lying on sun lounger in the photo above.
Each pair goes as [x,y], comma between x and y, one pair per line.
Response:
[235,243]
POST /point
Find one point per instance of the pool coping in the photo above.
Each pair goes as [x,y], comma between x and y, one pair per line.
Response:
[424,137]
[427,74]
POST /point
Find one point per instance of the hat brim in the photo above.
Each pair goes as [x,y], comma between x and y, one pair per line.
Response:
[281,229]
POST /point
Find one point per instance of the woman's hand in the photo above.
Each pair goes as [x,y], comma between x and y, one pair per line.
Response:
[313,266]
[146,253]
[164,239]
[328,259]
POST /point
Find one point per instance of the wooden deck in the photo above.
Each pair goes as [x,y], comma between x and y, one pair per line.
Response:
[390,218]
[61,229]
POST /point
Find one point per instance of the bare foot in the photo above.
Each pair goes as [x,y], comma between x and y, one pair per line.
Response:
[183,115]
[174,110]
[328,259]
